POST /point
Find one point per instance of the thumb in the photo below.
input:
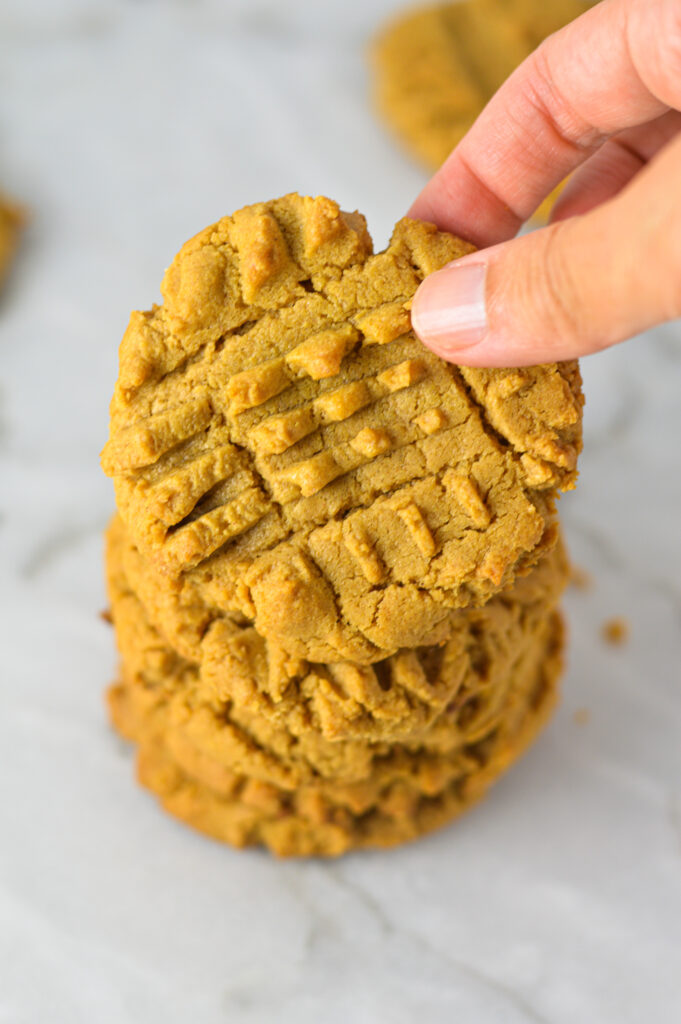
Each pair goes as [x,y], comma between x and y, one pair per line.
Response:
[573,288]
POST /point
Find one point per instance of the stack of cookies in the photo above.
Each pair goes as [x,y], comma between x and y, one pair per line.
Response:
[336,561]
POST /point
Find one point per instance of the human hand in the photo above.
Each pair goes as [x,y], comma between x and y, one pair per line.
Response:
[602,98]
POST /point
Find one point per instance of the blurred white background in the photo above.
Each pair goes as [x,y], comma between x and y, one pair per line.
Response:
[126,127]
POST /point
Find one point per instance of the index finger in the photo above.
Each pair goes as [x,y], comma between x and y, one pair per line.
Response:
[615,67]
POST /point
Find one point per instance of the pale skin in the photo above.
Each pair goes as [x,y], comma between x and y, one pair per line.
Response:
[600,100]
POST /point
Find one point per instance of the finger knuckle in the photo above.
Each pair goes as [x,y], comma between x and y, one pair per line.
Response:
[671,43]
[553,107]
[562,305]
[661,61]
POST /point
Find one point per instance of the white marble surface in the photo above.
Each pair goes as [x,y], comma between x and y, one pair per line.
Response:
[127,126]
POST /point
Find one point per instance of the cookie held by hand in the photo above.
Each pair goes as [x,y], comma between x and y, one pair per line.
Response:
[283,445]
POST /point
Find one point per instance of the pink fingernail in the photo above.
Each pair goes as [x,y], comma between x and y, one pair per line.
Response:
[449,312]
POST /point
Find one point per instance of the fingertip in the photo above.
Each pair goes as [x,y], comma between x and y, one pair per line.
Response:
[449,311]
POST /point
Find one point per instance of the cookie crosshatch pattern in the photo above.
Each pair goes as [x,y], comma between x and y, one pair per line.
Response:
[398,699]
[314,821]
[285,449]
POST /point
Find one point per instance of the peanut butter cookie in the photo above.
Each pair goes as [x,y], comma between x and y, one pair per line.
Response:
[214,767]
[437,66]
[283,446]
[430,701]
[403,795]
[281,700]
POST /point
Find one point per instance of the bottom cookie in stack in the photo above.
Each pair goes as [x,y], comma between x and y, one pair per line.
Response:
[245,781]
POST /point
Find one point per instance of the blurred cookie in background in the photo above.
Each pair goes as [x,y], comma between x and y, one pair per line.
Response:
[435,67]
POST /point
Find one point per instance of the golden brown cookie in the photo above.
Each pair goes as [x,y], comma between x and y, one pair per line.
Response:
[435,67]
[405,794]
[284,448]
[12,218]
[166,694]
[396,700]
[210,739]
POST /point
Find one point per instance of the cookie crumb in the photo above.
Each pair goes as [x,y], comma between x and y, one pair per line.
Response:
[615,631]
[580,579]
[106,616]
[582,716]
[12,220]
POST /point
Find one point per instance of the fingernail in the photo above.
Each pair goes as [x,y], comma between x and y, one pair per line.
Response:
[449,312]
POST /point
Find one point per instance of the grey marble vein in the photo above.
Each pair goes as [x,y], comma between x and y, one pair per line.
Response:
[514,998]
